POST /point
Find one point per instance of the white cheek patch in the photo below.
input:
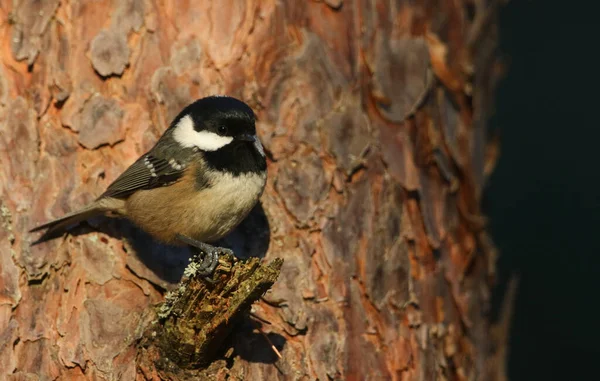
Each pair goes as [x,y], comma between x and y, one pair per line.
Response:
[187,136]
[259,146]
[209,141]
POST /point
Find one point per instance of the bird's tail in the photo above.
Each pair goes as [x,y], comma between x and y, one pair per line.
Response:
[60,225]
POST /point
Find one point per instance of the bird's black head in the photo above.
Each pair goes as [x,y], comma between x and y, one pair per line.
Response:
[224,129]
[211,123]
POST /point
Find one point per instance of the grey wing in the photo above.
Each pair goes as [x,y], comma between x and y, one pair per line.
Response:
[147,172]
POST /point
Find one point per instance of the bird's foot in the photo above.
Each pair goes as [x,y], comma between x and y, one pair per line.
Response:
[211,255]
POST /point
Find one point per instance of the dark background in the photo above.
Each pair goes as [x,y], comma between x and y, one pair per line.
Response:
[543,199]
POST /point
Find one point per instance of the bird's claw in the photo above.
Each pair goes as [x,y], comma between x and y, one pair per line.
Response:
[209,263]
[207,268]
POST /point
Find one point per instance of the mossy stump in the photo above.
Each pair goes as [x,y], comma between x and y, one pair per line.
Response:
[196,317]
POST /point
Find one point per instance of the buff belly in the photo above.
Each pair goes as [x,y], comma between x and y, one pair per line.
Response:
[205,215]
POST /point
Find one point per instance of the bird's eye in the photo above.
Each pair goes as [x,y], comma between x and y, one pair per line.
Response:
[222,130]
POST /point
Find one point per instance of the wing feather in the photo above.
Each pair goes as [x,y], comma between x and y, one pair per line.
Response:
[147,172]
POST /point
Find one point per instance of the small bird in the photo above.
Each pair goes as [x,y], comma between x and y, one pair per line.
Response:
[199,181]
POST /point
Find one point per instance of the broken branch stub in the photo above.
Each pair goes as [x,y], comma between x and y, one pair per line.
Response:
[197,317]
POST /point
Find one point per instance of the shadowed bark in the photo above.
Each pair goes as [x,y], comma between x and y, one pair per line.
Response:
[373,115]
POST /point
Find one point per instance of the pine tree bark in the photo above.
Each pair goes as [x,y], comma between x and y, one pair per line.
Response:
[373,114]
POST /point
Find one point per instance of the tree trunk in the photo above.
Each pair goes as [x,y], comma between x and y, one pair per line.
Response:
[373,115]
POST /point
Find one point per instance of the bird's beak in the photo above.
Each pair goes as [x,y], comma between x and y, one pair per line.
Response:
[246,137]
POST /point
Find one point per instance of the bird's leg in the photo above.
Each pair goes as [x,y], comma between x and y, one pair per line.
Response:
[211,254]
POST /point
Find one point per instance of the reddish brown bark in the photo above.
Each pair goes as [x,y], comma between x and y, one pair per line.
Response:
[373,114]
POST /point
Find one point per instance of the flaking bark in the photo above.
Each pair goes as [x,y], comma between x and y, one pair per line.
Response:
[373,115]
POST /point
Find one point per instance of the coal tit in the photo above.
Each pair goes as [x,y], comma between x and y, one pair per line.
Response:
[200,180]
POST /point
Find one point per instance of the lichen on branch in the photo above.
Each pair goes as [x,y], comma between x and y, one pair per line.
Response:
[197,316]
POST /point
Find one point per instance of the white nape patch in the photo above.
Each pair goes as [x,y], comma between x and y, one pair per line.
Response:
[259,146]
[187,136]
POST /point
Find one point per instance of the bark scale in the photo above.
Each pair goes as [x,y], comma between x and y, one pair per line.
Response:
[373,114]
